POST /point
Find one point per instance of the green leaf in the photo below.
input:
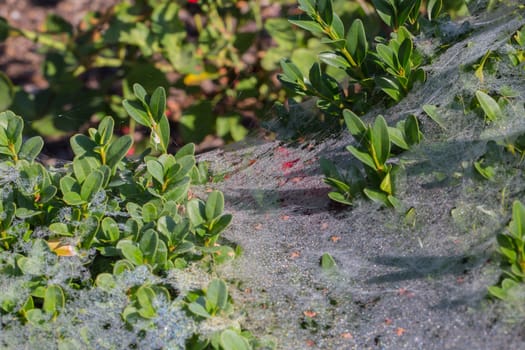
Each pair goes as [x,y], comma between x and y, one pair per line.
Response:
[356,41]
[489,105]
[219,224]
[149,244]
[157,103]
[7,91]
[140,92]
[145,296]
[110,229]
[122,266]
[196,212]
[334,59]
[54,299]
[81,144]
[487,172]
[231,340]
[118,150]
[186,150]
[83,166]
[405,53]
[162,140]
[31,148]
[131,252]
[149,212]
[136,111]
[434,8]
[363,157]
[386,11]
[391,88]
[324,8]
[412,133]
[398,138]
[376,196]
[198,310]
[60,228]
[380,140]
[291,71]
[73,198]
[91,185]
[327,262]
[309,25]
[517,225]
[354,124]
[432,112]
[105,130]
[339,198]
[105,281]
[214,205]
[156,170]
[217,294]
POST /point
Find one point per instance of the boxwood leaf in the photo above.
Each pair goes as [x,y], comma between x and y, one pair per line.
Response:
[489,105]
[149,212]
[73,198]
[145,296]
[231,340]
[54,299]
[105,130]
[91,185]
[131,252]
[356,41]
[214,205]
[196,212]
[363,157]
[149,244]
[83,166]
[118,150]
[140,92]
[157,103]
[217,294]
[308,25]
[81,144]
[198,310]
[136,111]
[31,148]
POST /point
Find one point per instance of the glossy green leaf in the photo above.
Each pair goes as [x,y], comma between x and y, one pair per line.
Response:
[140,92]
[54,299]
[380,140]
[83,166]
[156,170]
[405,54]
[105,281]
[145,297]
[196,211]
[149,243]
[214,205]
[136,111]
[391,88]
[198,310]
[327,262]
[81,144]
[217,294]
[231,340]
[219,224]
[157,103]
[363,157]
[131,252]
[412,133]
[434,9]
[118,150]
[397,137]
[308,25]
[91,185]
[186,150]
[149,212]
[105,130]
[73,198]
[334,59]
[339,198]
[356,41]
[489,105]
[325,11]
[386,11]
[163,140]
[433,113]
[376,196]
[110,229]
[31,148]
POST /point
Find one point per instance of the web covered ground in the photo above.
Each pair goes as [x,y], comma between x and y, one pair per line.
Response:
[401,282]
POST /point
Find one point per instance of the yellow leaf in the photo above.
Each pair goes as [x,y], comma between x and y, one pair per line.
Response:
[61,249]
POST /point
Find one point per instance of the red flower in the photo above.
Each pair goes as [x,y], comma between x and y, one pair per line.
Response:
[193,1]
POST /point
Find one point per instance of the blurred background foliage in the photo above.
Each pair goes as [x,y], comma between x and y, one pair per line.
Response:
[217,59]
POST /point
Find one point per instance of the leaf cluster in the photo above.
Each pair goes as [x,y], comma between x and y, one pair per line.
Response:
[114,215]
